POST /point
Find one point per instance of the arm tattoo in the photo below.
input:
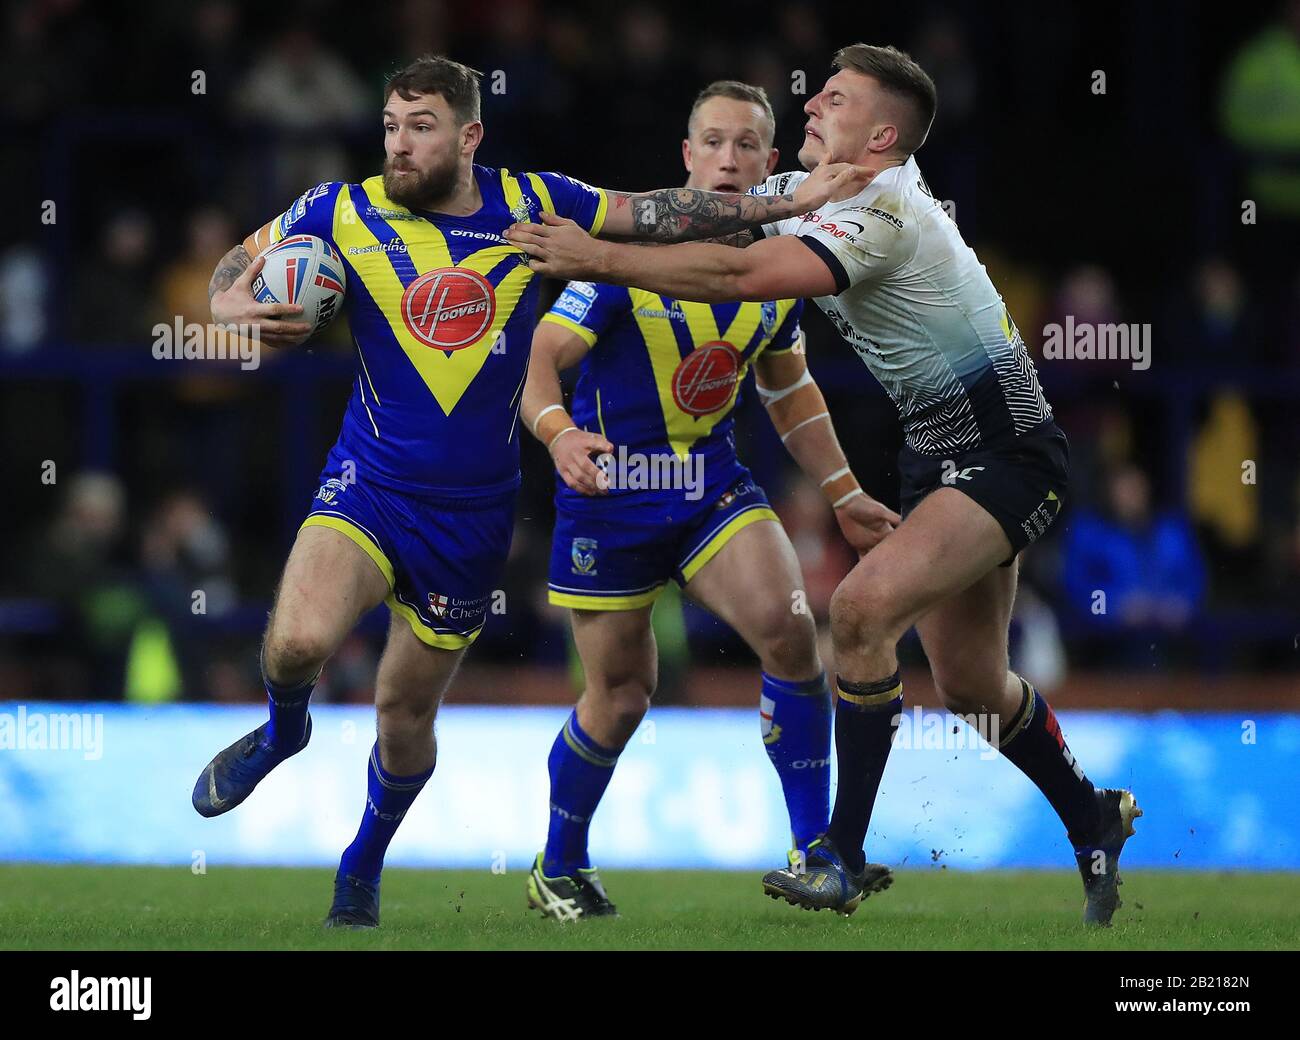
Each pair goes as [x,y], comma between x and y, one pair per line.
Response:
[229,268]
[739,239]
[685,214]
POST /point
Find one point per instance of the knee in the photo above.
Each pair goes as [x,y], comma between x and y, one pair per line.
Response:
[786,642]
[970,688]
[405,716]
[624,699]
[294,652]
[863,614]
[406,702]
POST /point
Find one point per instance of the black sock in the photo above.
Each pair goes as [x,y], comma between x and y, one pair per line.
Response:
[866,716]
[1035,744]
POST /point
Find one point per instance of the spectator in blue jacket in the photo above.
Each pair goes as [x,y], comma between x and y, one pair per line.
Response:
[1128,567]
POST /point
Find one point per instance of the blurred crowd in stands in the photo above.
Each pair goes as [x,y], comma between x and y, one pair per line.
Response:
[140,150]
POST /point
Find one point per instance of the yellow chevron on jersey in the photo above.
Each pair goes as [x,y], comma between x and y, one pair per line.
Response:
[441,310]
[447,375]
[653,318]
[663,375]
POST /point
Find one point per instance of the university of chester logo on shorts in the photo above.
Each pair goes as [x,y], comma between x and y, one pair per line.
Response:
[449,308]
[583,555]
[742,488]
[706,378]
[457,608]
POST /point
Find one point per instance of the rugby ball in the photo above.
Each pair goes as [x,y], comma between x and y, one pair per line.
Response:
[307,271]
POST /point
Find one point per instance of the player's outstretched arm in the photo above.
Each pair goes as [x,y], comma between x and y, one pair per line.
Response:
[543,411]
[797,409]
[230,294]
[688,214]
[780,268]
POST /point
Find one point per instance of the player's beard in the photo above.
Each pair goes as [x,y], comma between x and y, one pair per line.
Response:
[422,189]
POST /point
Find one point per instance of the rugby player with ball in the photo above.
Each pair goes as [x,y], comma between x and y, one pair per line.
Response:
[416,500]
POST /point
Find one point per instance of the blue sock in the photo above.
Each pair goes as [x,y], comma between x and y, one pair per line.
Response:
[288,707]
[796,719]
[1034,743]
[866,716]
[388,798]
[580,771]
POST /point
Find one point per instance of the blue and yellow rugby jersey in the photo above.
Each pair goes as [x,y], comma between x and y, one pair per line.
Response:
[663,374]
[441,311]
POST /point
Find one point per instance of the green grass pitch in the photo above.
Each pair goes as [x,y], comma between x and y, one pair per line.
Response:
[78,907]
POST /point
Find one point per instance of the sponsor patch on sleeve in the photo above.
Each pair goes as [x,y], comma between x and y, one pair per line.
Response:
[572,305]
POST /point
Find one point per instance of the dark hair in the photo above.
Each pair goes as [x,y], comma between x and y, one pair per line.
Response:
[737,91]
[898,74]
[434,74]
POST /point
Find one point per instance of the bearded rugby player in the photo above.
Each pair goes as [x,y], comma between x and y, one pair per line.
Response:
[416,499]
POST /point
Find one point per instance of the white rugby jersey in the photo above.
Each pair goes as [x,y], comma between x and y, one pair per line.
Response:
[917,305]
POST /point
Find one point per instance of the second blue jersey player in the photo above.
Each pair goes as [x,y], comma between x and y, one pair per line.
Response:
[650,490]
[415,503]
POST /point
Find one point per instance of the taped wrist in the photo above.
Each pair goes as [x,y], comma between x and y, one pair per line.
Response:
[841,486]
[796,406]
[551,422]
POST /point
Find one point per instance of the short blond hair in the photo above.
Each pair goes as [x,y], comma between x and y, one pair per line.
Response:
[899,75]
[737,91]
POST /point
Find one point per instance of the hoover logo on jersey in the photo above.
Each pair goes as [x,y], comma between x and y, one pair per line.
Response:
[449,308]
[706,378]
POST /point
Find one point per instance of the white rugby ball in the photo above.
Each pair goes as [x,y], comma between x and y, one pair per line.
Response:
[307,271]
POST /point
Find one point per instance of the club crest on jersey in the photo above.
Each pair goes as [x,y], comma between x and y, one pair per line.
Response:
[768,317]
[331,489]
[437,605]
[583,555]
[706,378]
[522,212]
[449,308]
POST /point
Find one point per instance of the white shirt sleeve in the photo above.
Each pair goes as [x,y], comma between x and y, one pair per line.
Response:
[860,243]
[779,184]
